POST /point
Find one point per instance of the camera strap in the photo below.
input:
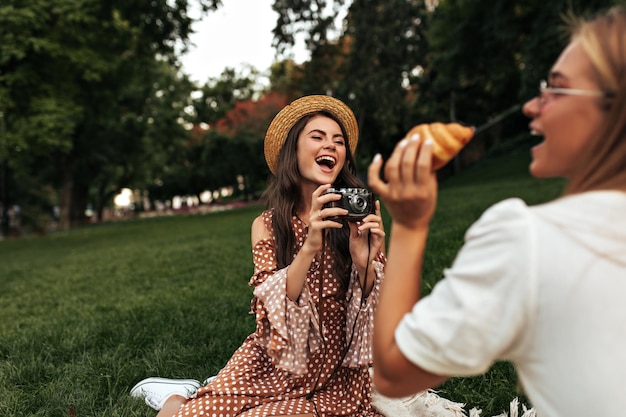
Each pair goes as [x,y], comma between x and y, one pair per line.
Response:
[320,312]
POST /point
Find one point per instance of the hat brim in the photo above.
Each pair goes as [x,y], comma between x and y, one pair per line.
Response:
[290,114]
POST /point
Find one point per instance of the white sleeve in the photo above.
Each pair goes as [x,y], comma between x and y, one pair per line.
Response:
[475,313]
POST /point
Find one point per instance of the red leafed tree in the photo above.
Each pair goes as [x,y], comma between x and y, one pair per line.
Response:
[252,117]
[237,137]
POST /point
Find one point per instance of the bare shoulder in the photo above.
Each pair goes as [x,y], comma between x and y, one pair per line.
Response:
[259,230]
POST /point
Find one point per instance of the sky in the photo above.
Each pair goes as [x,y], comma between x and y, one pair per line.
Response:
[239,32]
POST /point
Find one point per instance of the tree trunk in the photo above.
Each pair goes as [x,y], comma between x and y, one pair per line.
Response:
[80,198]
[4,200]
[65,202]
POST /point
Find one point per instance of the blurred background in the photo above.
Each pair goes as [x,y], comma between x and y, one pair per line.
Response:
[105,112]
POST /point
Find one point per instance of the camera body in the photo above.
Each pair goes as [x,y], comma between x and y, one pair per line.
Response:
[358,201]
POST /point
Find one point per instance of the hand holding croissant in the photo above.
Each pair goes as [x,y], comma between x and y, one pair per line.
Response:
[409,190]
[448,138]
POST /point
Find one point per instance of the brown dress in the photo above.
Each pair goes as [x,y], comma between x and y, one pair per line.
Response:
[277,368]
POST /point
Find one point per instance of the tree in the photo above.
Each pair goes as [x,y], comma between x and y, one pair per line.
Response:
[314,19]
[398,63]
[486,58]
[74,78]
[368,64]
[387,43]
[218,95]
[145,141]
[247,123]
[231,154]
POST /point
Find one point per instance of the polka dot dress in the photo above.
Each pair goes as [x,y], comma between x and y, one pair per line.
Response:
[292,363]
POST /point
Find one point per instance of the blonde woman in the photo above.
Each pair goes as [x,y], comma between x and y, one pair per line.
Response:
[542,286]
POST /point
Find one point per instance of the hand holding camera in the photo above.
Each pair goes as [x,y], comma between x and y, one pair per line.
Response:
[358,201]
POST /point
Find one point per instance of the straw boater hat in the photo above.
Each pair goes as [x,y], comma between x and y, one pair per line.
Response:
[290,114]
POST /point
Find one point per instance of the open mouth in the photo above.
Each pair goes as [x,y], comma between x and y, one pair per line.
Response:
[326,161]
[534,131]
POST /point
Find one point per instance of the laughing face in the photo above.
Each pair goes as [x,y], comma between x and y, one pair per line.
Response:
[566,121]
[321,150]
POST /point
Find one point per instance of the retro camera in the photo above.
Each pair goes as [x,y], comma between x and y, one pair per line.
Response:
[358,201]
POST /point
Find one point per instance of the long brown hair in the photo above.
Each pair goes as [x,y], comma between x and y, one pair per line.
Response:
[284,195]
[603,165]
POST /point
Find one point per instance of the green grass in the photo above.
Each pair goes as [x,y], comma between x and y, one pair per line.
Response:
[86,314]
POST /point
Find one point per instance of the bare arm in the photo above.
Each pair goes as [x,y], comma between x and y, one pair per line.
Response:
[258,231]
[410,196]
[298,268]
[394,375]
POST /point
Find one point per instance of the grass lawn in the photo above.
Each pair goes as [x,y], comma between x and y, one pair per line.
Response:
[85,314]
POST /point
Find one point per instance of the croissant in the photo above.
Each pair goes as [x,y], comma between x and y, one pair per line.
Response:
[449,139]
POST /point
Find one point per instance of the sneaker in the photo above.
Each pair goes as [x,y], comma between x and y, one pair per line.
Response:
[209,379]
[155,391]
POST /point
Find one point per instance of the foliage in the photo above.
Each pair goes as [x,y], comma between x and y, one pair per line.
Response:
[91,99]
[400,63]
[246,124]
[226,154]
[217,96]
[387,43]
[368,66]
[162,144]
[313,18]
[494,56]
[251,116]
[75,79]
[286,77]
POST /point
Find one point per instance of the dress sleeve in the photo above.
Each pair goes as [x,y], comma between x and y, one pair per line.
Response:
[360,317]
[288,329]
[477,312]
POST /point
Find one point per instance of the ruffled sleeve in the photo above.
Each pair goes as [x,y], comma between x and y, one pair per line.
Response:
[288,329]
[360,317]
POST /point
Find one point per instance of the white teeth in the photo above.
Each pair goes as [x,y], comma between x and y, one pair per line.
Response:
[535,133]
[329,159]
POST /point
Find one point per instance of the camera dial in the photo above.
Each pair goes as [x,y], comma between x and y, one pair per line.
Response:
[358,204]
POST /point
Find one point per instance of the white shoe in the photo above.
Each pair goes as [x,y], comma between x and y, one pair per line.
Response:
[209,379]
[155,391]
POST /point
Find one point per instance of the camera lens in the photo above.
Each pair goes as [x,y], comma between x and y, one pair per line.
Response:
[358,203]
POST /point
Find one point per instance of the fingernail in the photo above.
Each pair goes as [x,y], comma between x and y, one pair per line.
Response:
[415,136]
[429,142]
[376,158]
[403,143]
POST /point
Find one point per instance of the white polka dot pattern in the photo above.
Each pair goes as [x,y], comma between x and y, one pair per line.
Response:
[291,352]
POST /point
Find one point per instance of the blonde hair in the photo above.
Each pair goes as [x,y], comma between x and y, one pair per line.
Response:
[603,165]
